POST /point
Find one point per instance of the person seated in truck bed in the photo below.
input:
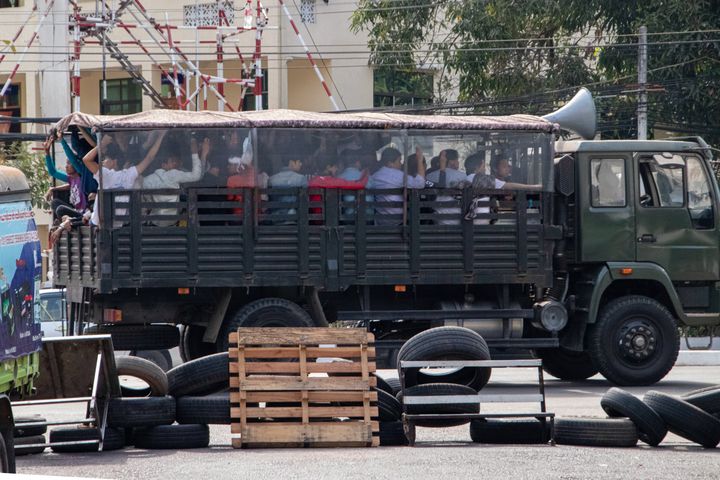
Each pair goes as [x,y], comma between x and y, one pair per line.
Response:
[113,178]
[448,175]
[288,177]
[328,179]
[391,176]
[170,176]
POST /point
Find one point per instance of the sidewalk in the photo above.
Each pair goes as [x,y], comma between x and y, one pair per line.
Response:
[688,358]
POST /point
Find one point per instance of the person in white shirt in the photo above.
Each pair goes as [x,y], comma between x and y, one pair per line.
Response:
[448,175]
[391,176]
[169,176]
[110,177]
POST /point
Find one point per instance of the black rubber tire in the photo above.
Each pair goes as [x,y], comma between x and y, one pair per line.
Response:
[22,431]
[161,358]
[139,337]
[266,312]
[431,389]
[394,383]
[192,346]
[383,385]
[213,409]
[501,431]
[392,434]
[201,376]
[73,434]
[114,439]
[567,364]
[596,432]
[707,399]
[144,370]
[619,403]
[7,457]
[141,412]
[620,323]
[446,343]
[389,408]
[20,450]
[173,437]
[684,419]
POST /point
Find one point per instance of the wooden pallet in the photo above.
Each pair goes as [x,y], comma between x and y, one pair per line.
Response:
[284,392]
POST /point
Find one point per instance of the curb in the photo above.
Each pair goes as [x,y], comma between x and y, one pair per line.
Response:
[693,358]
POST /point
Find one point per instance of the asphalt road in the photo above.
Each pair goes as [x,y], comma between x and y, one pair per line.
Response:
[439,454]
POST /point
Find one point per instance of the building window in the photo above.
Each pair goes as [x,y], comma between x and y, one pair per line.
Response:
[249,98]
[10,107]
[11,3]
[206,14]
[124,96]
[396,87]
[307,11]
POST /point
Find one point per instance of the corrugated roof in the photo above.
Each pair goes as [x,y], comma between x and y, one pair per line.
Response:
[299,119]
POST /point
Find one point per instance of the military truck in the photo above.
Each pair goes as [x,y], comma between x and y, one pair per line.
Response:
[20,334]
[591,254]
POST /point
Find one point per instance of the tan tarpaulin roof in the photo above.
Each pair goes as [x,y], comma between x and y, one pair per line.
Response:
[299,119]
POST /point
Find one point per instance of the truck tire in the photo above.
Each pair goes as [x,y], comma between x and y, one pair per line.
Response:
[500,431]
[394,384]
[213,410]
[596,432]
[74,434]
[383,385]
[446,343]
[706,399]
[146,371]
[21,449]
[266,312]
[192,346]
[432,389]
[199,377]
[685,419]
[635,341]
[173,437]
[138,337]
[567,364]
[619,403]
[141,412]
[29,431]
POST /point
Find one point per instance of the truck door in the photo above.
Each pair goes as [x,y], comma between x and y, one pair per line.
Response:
[676,221]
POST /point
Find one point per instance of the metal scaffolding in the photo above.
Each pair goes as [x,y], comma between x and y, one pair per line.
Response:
[189,83]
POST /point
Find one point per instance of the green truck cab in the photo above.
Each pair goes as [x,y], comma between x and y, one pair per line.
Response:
[642,252]
[20,334]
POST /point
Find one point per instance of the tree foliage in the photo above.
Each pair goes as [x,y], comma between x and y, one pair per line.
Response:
[32,165]
[511,56]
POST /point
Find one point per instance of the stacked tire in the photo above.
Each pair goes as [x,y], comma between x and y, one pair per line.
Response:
[442,343]
[29,439]
[695,416]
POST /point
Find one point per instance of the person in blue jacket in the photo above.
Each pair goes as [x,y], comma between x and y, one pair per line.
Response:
[78,180]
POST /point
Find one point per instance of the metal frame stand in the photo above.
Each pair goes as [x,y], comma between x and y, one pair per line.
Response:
[64,362]
[409,420]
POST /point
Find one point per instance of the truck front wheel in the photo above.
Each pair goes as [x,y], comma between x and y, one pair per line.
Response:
[635,341]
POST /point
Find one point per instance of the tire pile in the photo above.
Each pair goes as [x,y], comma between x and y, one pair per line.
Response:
[442,343]
[694,416]
[172,412]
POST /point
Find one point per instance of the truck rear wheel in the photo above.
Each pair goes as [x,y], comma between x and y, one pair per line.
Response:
[5,459]
[266,312]
[567,364]
[635,341]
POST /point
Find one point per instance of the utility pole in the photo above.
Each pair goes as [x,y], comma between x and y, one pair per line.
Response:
[642,85]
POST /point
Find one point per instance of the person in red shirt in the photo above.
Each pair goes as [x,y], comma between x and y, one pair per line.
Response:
[244,177]
[329,180]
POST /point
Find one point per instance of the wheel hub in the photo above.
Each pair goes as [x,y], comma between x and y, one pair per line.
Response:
[638,342]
